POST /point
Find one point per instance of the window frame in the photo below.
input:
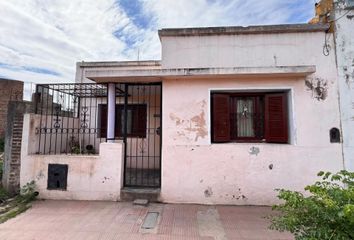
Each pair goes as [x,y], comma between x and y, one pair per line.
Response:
[233,110]
[135,133]
[258,105]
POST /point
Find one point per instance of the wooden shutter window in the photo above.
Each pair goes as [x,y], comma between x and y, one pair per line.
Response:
[102,120]
[221,118]
[276,118]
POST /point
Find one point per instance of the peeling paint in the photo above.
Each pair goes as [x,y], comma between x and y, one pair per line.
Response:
[275,60]
[318,87]
[105,179]
[199,126]
[208,192]
[177,120]
[254,151]
[193,125]
[40,175]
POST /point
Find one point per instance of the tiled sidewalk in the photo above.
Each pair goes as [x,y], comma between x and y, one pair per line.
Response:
[62,220]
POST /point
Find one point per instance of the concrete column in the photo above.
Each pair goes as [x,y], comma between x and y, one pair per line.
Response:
[111,112]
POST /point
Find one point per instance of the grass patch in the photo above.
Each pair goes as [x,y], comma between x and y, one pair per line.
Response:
[13,212]
[3,195]
[11,207]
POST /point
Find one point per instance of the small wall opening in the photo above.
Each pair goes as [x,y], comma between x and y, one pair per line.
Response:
[57,176]
[334,135]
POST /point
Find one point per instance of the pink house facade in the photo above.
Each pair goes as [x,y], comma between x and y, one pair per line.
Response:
[228,115]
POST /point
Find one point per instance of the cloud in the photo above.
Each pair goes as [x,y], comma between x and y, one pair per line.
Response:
[41,40]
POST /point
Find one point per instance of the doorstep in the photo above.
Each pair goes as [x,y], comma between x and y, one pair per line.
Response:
[131,194]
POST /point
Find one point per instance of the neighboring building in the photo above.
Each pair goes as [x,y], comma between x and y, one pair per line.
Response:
[228,115]
[10,90]
[343,16]
[12,109]
[340,15]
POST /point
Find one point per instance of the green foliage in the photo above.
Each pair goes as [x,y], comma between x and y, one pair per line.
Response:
[327,213]
[3,195]
[11,207]
[13,212]
[27,192]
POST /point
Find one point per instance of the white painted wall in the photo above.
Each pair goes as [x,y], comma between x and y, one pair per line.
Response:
[344,38]
[249,50]
[89,177]
[83,68]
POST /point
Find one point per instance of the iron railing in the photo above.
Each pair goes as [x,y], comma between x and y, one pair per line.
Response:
[72,119]
[69,117]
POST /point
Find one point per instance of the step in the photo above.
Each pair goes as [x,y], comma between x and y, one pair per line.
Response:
[141,202]
[131,194]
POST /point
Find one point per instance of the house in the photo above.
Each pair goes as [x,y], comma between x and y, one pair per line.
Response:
[228,115]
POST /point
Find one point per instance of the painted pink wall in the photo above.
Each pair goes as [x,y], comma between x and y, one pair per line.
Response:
[229,173]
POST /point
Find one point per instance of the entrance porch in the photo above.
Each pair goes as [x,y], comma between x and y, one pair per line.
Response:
[88,141]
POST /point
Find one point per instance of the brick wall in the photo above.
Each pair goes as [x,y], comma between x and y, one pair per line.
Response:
[10,90]
[13,138]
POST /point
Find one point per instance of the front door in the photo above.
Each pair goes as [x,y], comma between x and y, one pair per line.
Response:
[140,124]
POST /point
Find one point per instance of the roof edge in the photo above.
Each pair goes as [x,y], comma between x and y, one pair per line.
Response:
[120,63]
[235,30]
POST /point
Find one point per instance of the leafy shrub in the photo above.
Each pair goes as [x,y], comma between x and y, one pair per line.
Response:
[28,192]
[326,214]
[3,195]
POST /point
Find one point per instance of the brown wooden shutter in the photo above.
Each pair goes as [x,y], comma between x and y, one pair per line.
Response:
[118,120]
[221,118]
[276,118]
[102,120]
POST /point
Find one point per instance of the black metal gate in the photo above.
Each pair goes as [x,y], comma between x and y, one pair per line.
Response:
[139,119]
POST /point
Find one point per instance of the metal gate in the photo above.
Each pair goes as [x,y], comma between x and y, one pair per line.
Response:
[139,119]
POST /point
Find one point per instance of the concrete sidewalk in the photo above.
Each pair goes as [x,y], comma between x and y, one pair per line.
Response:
[76,220]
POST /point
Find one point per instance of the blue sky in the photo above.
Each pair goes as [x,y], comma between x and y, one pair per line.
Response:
[41,40]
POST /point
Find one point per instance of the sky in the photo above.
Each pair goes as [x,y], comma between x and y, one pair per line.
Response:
[41,40]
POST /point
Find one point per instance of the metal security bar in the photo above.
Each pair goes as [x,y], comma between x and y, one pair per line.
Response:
[142,127]
[70,116]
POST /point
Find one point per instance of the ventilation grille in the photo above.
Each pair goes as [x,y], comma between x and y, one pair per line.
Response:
[57,176]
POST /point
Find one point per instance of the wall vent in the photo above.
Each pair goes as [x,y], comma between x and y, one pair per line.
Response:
[57,176]
[334,135]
